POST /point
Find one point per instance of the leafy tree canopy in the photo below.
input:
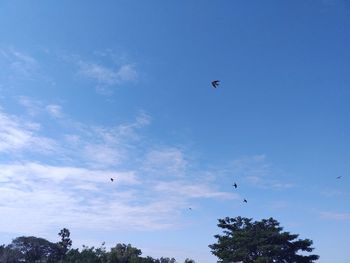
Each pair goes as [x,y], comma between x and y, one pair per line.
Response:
[39,250]
[262,241]
[30,249]
[65,242]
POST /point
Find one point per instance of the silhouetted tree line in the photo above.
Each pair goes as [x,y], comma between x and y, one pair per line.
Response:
[243,241]
[39,250]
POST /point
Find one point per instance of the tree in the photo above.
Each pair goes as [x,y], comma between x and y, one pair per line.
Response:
[122,253]
[65,242]
[8,255]
[32,249]
[144,260]
[167,260]
[87,255]
[39,250]
[187,260]
[259,242]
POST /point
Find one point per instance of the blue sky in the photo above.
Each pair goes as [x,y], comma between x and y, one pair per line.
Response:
[91,90]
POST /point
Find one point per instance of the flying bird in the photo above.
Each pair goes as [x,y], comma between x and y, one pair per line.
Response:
[338,177]
[235,185]
[112,179]
[245,200]
[190,208]
[215,83]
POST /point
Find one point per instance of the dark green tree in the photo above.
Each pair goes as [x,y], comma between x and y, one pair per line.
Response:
[187,260]
[65,242]
[9,255]
[143,260]
[73,255]
[123,253]
[39,250]
[32,249]
[87,255]
[259,242]
[167,260]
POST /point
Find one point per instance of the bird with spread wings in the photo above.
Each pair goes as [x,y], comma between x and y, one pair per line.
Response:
[215,83]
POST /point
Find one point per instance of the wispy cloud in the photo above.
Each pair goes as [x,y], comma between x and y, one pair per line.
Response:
[86,199]
[193,190]
[102,154]
[335,216]
[19,62]
[54,110]
[97,146]
[331,192]
[39,191]
[35,107]
[259,173]
[17,134]
[105,76]
[105,69]
[109,146]
[35,171]
[78,183]
[169,162]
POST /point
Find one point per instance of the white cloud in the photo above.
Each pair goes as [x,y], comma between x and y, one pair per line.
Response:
[54,110]
[259,173]
[72,138]
[105,69]
[331,192]
[33,107]
[16,134]
[31,193]
[127,73]
[142,119]
[38,191]
[193,190]
[36,107]
[109,146]
[96,146]
[102,154]
[77,181]
[108,76]
[167,162]
[19,62]
[335,216]
[61,174]
[100,73]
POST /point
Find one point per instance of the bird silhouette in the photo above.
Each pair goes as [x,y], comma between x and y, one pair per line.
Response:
[338,177]
[215,83]
[112,179]
[235,185]
[245,200]
[190,208]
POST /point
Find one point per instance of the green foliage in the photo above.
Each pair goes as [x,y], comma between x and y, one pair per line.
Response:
[30,249]
[9,255]
[65,242]
[122,253]
[38,250]
[167,260]
[259,242]
[86,255]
